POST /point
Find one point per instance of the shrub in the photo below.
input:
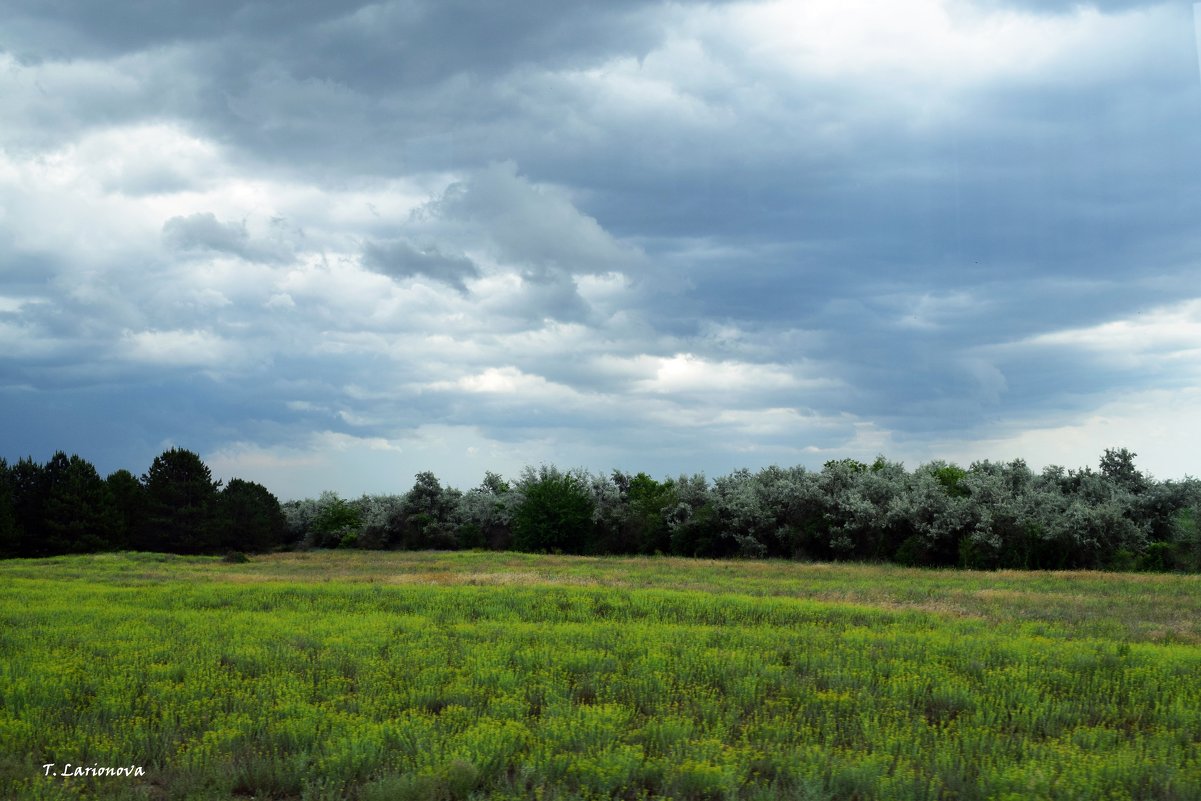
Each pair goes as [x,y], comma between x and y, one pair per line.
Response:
[555,514]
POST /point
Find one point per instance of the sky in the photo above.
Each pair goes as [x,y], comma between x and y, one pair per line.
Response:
[330,245]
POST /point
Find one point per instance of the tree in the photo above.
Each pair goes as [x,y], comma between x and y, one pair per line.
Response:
[1117,465]
[555,513]
[745,524]
[73,507]
[30,489]
[181,505]
[8,519]
[609,515]
[376,513]
[997,496]
[250,518]
[648,502]
[124,509]
[426,519]
[485,514]
[951,477]
[934,513]
[336,523]
[858,500]
[692,522]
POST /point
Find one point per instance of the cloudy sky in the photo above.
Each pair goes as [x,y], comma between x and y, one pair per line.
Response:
[328,245]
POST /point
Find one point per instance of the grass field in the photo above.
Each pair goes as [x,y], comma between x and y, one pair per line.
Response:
[379,676]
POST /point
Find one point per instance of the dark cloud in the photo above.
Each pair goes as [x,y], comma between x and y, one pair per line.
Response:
[384,46]
[67,29]
[401,259]
[631,219]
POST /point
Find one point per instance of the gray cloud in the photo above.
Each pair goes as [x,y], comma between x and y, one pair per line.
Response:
[702,230]
[535,227]
[400,259]
[204,232]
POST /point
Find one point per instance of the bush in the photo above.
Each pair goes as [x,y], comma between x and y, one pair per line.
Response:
[555,513]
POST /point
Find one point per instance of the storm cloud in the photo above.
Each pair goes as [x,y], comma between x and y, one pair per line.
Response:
[329,247]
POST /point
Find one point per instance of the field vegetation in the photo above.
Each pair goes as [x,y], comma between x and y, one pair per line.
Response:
[470,675]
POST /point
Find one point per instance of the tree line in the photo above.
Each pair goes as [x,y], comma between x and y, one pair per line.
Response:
[988,515]
[63,506]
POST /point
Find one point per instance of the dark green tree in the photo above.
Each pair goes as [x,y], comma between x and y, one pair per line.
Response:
[650,503]
[639,524]
[555,513]
[72,511]
[1117,465]
[30,489]
[951,477]
[250,518]
[337,523]
[181,504]
[124,509]
[8,518]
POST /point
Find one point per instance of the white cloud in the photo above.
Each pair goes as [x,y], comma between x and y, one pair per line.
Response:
[502,381]
[678,84]
[1166,336]
[519,394]
[689,373]
[280,300]
[178,348]
[147,159]
[940,44]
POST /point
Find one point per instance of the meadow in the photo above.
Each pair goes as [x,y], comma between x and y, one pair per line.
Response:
[381,676]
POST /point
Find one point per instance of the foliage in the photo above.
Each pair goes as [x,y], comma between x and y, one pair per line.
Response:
[555,512]
[1117,465]
[250,518]
[30,488]
[73,506]
[376,513]
[181,504]
[990,515]
[336,522]
[426,519]
[692,524]
[485,514]
[124,509]
[647,503]
[9,543]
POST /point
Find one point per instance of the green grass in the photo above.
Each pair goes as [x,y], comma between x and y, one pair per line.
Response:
[378,676]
